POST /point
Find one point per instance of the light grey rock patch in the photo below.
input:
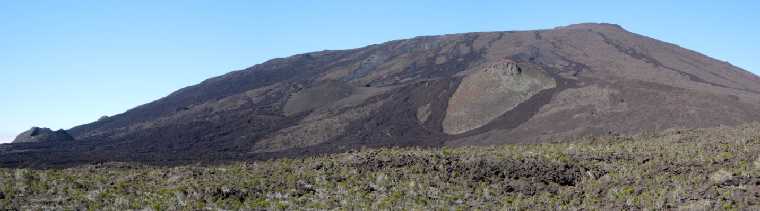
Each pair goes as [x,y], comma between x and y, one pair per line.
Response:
[423,113]
[490,91]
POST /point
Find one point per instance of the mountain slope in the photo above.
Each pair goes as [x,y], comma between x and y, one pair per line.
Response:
[461,89]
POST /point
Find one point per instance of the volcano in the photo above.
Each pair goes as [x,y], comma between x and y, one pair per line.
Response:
[479,88]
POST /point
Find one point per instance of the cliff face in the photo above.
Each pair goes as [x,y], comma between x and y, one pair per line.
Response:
[460,89]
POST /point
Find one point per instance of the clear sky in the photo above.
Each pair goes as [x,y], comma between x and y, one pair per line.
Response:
[65,63]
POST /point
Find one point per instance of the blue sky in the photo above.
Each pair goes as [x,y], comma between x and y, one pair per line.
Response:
[65,63]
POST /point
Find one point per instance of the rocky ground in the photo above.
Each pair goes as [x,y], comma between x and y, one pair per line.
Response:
[704,169]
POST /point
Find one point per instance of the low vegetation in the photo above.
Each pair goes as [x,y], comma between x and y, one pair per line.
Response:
[708,169]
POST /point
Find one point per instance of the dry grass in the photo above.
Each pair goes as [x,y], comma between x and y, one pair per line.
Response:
[707,169]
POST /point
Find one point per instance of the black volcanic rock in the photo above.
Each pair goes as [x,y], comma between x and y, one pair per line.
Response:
[37,134]
[460,89]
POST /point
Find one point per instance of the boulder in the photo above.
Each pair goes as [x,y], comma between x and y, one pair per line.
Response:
[37,134]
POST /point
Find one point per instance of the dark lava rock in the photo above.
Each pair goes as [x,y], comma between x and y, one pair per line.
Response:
[37,134]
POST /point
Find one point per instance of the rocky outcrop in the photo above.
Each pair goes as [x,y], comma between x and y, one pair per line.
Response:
[489,92]
[37,134]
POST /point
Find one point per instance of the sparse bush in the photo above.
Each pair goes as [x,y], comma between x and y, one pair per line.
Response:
[689,169]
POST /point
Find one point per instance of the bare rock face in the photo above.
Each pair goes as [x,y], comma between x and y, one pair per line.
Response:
[489,92]
[37,134]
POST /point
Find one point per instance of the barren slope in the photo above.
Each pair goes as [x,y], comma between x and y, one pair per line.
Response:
[460,89]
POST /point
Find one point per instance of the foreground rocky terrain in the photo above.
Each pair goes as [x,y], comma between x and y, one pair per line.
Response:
[689,169]
[451,90]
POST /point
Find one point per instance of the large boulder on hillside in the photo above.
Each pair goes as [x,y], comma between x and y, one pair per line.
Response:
[37,134]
